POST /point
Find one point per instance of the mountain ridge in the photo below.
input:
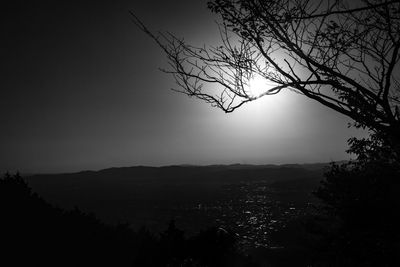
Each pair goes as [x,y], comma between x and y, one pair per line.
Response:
[316,165]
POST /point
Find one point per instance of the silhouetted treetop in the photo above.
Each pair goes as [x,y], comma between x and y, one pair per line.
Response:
[361,198]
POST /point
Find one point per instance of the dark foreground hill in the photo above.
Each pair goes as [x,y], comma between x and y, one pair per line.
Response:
[223,211]
[35,233]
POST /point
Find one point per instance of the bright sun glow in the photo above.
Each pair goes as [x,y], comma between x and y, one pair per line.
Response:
[281,103]
[257,85]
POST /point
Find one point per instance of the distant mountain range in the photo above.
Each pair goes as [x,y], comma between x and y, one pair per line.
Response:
[236,166]
[179,174]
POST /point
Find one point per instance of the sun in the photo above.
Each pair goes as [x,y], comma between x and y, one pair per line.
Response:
[257,85]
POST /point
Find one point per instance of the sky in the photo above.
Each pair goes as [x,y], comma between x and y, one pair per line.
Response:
[81,89]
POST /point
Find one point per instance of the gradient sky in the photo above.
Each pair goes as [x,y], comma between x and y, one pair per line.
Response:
[81,89]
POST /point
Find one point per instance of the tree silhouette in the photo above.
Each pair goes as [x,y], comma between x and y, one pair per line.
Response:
[361,200]
[341,54]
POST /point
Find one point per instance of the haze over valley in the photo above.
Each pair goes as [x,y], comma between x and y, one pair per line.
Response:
[252,200]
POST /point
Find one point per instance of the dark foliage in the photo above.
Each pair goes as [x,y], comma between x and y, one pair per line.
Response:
[34,233]
[357,220]
[361,207]
[38,234]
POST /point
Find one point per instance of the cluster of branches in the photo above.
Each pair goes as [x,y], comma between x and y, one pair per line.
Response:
[343,56]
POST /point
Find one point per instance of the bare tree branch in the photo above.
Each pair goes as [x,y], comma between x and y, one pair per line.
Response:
[344,58]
